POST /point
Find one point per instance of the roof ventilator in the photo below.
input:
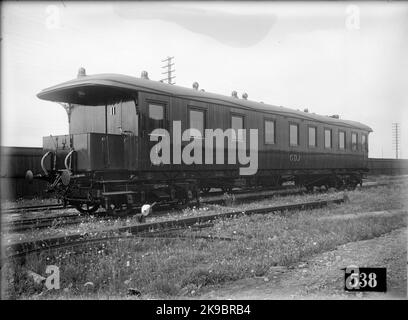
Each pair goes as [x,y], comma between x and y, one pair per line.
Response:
[145,75]
[81,72]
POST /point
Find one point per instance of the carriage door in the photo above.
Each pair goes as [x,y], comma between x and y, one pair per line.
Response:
[156,116]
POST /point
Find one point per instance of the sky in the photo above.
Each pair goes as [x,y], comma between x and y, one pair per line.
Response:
[332,58]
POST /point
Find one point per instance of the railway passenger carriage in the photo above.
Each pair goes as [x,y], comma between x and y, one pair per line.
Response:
[105,158]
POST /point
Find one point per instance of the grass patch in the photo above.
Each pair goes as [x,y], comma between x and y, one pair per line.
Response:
[168,268]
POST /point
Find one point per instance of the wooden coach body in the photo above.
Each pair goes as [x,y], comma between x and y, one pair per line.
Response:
[105,159]
[118,106]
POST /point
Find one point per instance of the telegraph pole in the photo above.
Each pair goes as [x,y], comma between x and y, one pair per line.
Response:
[169,63]
[396,138]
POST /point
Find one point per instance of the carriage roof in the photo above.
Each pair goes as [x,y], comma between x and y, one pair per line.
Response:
[98,87]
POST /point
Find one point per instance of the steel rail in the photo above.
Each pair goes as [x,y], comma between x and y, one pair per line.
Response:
[74,218]
[284,189]
[44,222]
[23,247]
[34,208]
[24,209]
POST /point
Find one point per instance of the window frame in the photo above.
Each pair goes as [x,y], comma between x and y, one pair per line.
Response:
[274,131]
[147,119]
[157,103]
[345,139]
[199,109]
[240,115]
[356,145]
[308,136]
[331,137]
[298,136]
[365,145]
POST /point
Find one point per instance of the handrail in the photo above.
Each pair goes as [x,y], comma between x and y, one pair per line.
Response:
[42,162]
[69,156]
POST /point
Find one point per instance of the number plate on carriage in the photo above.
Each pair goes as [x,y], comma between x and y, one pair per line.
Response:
[365,279]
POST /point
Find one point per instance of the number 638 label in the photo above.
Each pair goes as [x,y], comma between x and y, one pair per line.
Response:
[365,279]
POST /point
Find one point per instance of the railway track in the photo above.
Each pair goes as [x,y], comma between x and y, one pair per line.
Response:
[52,207]
[24,247]
[26,209]
[24,224]
[290,189]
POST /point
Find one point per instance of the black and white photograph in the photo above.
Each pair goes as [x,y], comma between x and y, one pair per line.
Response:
[218,151]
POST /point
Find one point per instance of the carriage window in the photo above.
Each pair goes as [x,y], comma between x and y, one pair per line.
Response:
[294,134]
[342,140]
[269,132]
[312,137]
[354,141]
[327,138]
[156,116]
[364,142]
[156,112]
[197,121]
[237,122]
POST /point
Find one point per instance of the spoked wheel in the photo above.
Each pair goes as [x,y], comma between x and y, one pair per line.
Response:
[341,186]
[188,195]
[324,188]
[309,188]
[87,208]
[351,186]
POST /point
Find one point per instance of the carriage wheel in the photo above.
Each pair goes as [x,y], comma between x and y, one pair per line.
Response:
[185,201]
[309,188]
[352,185]
[324,187]
[87,208]
[340,185]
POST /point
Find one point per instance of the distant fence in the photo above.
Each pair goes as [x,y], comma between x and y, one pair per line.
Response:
[15,161]
[388,166]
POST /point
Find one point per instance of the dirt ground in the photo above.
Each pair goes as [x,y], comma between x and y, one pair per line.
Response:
[321,277]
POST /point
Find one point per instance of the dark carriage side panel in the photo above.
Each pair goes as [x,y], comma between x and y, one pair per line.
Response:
[278,156]
[281,155]
[106,152]
[15,161]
